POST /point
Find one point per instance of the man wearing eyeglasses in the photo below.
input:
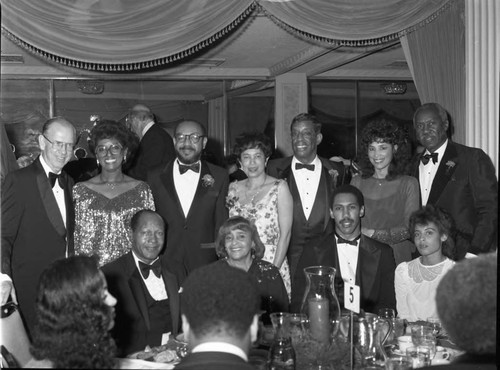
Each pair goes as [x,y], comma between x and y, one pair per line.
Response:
[156,147]
[189,194]
[37,216]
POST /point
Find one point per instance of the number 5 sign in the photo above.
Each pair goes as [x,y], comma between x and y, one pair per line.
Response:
[351,297]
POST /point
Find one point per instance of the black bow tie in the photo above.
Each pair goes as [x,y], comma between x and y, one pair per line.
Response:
[53,177]
[183,168]
[341,240]
[299,166]
[425,158]
[155,267]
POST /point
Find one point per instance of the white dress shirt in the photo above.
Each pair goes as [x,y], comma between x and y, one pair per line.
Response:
[307,184]
[221,347]
[427,172]
[155,285]
[185,186]
[57,190]
[348,261]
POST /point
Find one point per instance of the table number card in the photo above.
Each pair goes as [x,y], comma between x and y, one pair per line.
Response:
[351,297]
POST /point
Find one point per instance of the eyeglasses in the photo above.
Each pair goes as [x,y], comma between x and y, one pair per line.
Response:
[59,145]
[194,138]
[113,149]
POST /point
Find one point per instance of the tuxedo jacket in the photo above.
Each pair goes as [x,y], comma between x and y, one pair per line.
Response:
[190,239]
[333,174]
[156,148]
[132,322]
[33,231]
[374,273]
[466,186]
[213,361]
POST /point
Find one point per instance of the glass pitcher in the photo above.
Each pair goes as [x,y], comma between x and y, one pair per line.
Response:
[281,353]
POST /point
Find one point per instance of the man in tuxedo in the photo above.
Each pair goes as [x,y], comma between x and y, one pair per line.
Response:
[156,147]
[358,259]
[220,307]
[148,307]
[37,216]
[459,179]
[311,180]
[190,194]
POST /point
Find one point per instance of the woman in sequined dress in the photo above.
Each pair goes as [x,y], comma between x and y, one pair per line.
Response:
[416,281]
[105,204]
[263,199]
[238,244]
[390,195]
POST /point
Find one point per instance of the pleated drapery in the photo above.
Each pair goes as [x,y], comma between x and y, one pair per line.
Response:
[128,35]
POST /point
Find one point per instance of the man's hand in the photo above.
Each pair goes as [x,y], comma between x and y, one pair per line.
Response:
[6,290]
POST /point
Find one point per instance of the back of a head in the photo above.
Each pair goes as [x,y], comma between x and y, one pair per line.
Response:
[466,300]
[219,300]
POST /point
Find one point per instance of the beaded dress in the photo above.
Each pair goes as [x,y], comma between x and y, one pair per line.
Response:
[388,207]
[416,285]
[102,225]
[265,215]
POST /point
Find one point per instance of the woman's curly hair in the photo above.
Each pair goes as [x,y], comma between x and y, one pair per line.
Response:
[385,131]
[238,223]
[72,320]
[466,302]
[444,223]
[108,129]
[252,140]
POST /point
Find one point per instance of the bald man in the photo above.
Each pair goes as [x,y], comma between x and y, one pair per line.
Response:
[156,147]
[37,216]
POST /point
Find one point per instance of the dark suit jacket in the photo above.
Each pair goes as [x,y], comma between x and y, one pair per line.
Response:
[213,361]
[374,273]
[155,149]
[132,320]
[466,186]
[190,240]
[33,232]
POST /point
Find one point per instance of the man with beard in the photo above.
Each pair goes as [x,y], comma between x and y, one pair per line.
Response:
[358,259]
[311,180]
[190,196]
[459,179]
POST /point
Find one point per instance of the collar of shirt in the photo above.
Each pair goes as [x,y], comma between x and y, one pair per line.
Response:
[221,347]
[316,162]
[176,166]
[147,127]
[46,167]
[440,151]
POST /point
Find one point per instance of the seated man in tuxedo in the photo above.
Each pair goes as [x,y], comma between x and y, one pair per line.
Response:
[358,259]
[220,307]
[148,305]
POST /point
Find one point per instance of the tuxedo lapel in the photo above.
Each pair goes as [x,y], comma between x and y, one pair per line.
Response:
[201,189]
[49,200]
[173,297]
[167,178]
[368,262]
[444,173]
[70,212]
[137,287]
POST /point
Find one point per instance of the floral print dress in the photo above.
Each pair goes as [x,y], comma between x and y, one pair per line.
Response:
[264,214]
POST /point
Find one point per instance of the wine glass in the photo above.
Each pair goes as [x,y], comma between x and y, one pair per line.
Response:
[435,323]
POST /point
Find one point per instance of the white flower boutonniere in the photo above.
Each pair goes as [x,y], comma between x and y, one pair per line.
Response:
[208,181]
[334,174]
[449,166]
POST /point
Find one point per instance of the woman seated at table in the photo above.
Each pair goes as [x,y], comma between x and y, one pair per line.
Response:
[74,314]
[416,281]
[239,245]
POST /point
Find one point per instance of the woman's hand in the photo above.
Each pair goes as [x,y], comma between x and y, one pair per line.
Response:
[367,232]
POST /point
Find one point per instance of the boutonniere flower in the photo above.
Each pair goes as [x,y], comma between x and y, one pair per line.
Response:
[231,199]
[334,174]
[208,181]
[449,166]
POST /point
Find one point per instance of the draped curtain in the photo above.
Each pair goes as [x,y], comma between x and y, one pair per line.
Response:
[124,35]
[439,71]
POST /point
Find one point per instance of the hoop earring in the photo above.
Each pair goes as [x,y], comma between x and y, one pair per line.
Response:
[124,158]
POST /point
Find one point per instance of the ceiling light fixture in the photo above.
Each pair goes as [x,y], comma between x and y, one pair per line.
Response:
[394,88]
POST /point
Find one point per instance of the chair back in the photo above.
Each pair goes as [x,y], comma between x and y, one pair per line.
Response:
[13,338]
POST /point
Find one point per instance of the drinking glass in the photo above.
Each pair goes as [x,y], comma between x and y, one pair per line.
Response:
[387,313]
[398,363]
[435,323]
[418,330]
[419,356]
